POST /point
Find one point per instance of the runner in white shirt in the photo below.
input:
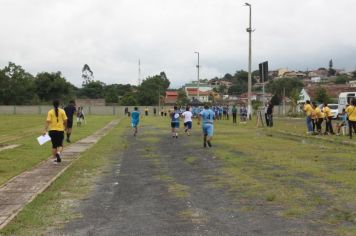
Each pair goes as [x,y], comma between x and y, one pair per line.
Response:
[187,120]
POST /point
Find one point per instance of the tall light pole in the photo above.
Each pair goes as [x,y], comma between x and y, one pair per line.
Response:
[198,66]
[249,84]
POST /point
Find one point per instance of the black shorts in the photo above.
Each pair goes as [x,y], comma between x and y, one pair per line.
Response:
[70,123]
[56,138]
[188,125]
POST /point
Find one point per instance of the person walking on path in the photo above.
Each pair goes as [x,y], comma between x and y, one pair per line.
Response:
[328,119]
[187,115]
[208,117]
[175,122]
[308,111]
[135,120]
[351,115]
[270,114]
[70,111]
[234,114]
[56,123]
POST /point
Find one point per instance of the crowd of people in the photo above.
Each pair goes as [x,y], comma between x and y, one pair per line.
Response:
[317,115]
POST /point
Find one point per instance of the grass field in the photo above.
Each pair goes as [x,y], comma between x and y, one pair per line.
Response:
[302,177]
[55,206]
[294,176]
[23,130]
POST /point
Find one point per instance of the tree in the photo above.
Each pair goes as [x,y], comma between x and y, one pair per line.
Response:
[93,90]
[150,87]
[321,95]
[275,100]
[87,74]
[289,86]
[128,100]
[331,71]
[182,99]
[341,79]
[16,85]
[51,86]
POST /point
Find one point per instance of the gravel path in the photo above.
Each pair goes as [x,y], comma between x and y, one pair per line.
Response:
[165,186]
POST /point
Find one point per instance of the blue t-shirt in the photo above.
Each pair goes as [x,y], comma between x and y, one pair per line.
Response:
[175,117]
[135,117]
[207,116]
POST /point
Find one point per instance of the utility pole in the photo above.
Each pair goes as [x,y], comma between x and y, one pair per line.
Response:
[249,84]
[139,72]
[198,66]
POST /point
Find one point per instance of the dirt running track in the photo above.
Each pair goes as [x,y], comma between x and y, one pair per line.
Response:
[164,186]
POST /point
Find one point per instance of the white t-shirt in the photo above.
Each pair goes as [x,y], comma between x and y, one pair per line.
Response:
[187,116]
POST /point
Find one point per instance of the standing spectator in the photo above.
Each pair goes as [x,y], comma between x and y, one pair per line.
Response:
[343,118]
[135,120]
[234,114]
[270,114]
[243,113]
[319,118]
[227,112]
[162,111]
[351,115]
[70,111]
[266,117]
[79,115]
[56,123]
[328,119]
[154,111]
[146,111]
[308,110]
[314,118]
[126,110]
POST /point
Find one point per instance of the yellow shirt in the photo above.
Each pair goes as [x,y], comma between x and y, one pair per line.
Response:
[52,119]
[313,114]
[327,112]
[318,113]
[351,112]
[308,109]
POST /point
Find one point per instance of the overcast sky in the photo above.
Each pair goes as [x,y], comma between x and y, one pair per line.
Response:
[111,35]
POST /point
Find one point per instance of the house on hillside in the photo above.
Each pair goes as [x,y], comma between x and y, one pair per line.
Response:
[171,98]
[243,98]
[192,94]
[332,90]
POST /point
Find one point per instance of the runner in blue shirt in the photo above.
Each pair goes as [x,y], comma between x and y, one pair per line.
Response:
[135,119]
[175,122]
[208,117]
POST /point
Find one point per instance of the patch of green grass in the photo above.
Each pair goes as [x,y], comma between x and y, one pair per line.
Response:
[55,206]
[178,190]
[305,175]
[191,160]
[23,130]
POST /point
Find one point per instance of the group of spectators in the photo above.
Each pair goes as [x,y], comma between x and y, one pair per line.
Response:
[316,115]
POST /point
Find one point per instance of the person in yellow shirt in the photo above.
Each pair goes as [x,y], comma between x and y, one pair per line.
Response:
[351,115]
[328,119]
[308,110]
[313,117]
[56,123]
[319,118]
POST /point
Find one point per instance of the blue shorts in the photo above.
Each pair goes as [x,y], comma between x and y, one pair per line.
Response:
[208,129]
[175,125]
[188,125]
[134,124]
